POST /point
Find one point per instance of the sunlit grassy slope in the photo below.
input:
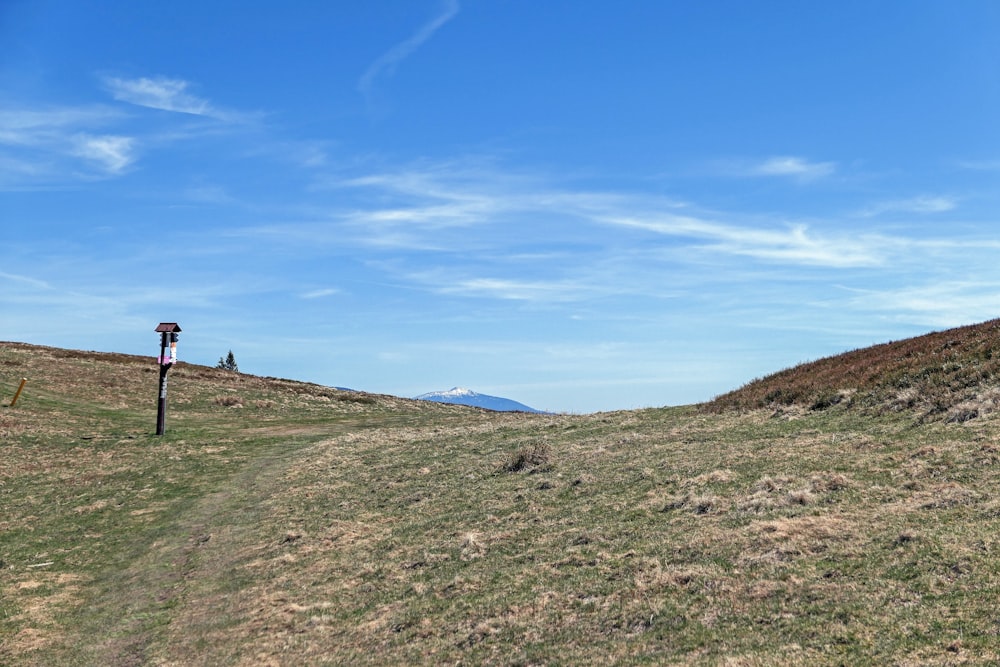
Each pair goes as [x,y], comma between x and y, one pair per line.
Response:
[286,523]
[951,375]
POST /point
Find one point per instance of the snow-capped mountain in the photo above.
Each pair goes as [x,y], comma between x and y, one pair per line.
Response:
[462,396]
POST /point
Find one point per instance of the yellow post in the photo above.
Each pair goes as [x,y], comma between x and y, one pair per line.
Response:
[18,393]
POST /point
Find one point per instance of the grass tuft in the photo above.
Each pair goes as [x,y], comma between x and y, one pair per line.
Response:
[534,457]
[229,401]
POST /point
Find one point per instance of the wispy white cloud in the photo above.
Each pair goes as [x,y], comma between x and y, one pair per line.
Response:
[159,93]
[209,194]
[436,199]
[113,153]
[14,169]
[45,145]
[304,154]
[166,94]
[24,280]
[35,126]
[480,232]
[515,290]
[791,166]
[386,63]
[792,245]
[411,208]
[320,293]
[942,303]
[39,136]
[922,204]
[980,165]
[431,216]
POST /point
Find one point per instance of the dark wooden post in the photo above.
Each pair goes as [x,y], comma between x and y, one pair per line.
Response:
[168,334]
[161,404]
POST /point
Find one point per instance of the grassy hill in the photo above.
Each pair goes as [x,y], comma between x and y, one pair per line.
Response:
[952,375]
[284,523]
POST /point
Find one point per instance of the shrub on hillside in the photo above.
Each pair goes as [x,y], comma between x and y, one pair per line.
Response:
[534,457]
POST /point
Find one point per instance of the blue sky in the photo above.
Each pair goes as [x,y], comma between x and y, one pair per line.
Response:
[579,205]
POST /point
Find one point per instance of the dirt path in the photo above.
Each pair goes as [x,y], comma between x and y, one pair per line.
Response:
[133,609]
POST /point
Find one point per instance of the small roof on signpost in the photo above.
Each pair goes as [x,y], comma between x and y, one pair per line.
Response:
[168,327]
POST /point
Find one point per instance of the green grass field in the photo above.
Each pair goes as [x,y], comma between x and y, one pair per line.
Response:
[283,523]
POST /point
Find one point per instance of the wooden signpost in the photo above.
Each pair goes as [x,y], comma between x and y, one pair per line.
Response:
[168,337]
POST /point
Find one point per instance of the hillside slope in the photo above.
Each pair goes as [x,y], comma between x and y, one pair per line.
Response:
[279,522]
[952,375]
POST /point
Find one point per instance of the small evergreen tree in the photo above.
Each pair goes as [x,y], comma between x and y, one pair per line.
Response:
[228,363]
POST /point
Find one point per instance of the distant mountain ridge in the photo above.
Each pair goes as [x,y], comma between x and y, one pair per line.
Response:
[462,396]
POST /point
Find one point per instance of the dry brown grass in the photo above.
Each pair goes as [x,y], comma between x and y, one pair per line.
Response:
[952,375]
[307,529]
